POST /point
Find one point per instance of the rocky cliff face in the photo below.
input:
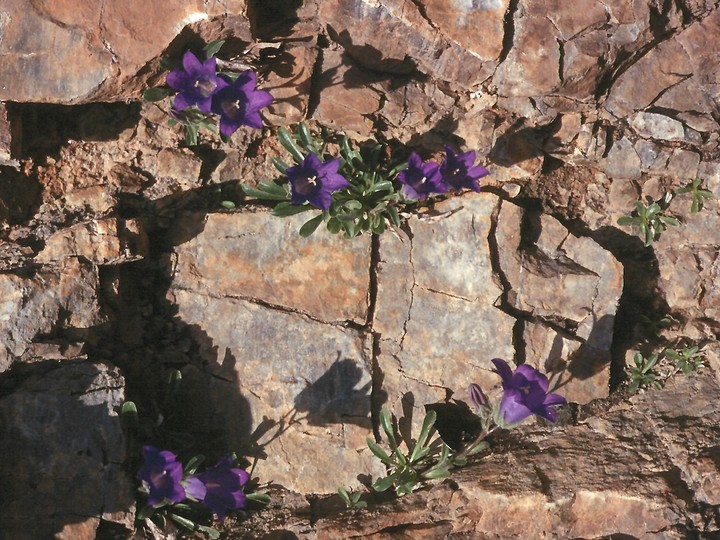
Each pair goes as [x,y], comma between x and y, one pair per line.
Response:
[118,263]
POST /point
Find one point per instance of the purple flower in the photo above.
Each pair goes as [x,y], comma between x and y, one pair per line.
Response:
[196,83]
[458,171]
[525,393]
[239,103]
[314,181]
[161,476]
[219,487]
[421,178]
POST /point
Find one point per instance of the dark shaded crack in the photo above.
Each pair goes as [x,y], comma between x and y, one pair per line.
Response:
[625,60]
[423,13]
[509,30]
[561,60]
[316,76]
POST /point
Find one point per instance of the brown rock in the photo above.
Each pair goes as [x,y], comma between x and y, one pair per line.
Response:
[436,308]
[105,241]
[289,82]
[324,276]
[347,97]
[64,448]
[180,165]
[70,52]
[394,37]
[646,80]
[531,68]
[305,386]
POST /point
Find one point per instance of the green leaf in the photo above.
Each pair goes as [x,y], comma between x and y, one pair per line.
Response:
[439,471]
[194,463]
[289,144]
[380,186]
[212,533]
[157,94]
[427,425]
[387,425]
[382,484]
[309,227]
[334,225]
[280,165]
[227,204]
[345,496]
[262,498]
[266,193]
[145,512]
[379,452]
[306,137]
[189,525]
[480,447]
[394,215]
[627,220]
[285,209]
[191,135]
[212,48]
[669,220]
[128,408]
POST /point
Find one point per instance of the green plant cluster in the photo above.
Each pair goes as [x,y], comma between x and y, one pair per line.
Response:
[370,204]
[651,219]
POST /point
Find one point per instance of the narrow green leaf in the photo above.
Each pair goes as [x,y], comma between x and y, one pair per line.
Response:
[212,48]
[262,498]
[262,194]
[157,94]
[626,220]
[379,452]
[669,220]
[439,471]
[334,225]
[212,533]
[381,186]
[427,425]
[306,138]
[128,408]
[280,165]
[289,144]
[394,215]
[145,512]
[189,525]
[285,209]
[345,496]
[382,484]
[227,204]
[194,463]
[310,226]
[480,447]
[191,135]
[387,425]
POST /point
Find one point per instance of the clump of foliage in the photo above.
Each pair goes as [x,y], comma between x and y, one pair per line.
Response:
[652,219]
[362,190]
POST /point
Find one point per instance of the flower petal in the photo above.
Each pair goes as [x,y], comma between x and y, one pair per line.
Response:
[554,399]
[512,409]
[532,375]
[191,64]
[503,369]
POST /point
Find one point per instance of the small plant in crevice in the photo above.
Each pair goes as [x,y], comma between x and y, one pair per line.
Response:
[358,189]
[525,393]
[687,360]
[651,219]
[697,192]
[642,374]
[204,97]
[352,499]
[179,490]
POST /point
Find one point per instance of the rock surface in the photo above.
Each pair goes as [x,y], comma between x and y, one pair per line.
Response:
[59,477]
[113,245]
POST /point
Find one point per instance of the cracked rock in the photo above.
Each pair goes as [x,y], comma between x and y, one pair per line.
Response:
[259,256]
[291,391]
[64,451]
